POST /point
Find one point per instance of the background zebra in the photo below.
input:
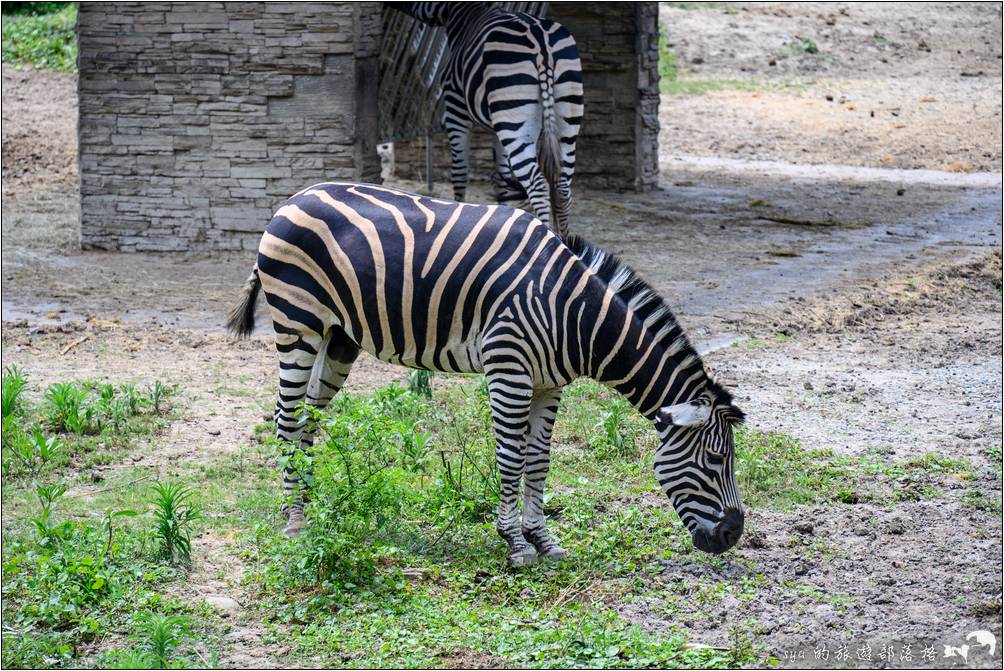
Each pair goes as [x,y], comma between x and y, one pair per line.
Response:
[468,288]
[519,76]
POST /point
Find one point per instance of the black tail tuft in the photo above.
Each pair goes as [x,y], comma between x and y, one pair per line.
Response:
[241,320]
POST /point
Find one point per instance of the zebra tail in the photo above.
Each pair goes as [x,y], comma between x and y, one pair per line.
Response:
[548,145]
[240,322]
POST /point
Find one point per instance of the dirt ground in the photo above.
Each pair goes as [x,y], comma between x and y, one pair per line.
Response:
[905,85]
[857,311]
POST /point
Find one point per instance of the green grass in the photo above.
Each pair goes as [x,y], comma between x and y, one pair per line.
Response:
[401,565]
[40,35]
[759,343]
[775,471]
[70,578]
[75,569]
[75,425]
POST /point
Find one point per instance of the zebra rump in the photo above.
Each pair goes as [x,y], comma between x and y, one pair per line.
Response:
[519,76]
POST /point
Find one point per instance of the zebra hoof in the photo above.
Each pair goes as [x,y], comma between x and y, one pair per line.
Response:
[555,553]
[295,524]
[523,558]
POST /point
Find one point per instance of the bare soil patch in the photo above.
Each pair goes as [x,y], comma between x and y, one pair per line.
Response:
[39,130]
[904,85]
[865,368]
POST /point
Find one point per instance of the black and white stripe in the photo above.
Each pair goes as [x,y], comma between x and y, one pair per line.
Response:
[519,76]
[469,288]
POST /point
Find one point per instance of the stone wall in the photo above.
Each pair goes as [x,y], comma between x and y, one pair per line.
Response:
[198,120]
[619,142]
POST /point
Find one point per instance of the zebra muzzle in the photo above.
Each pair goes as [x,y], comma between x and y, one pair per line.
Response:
[721,536]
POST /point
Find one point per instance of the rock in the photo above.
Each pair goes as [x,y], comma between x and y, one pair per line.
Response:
[96,476]
[803,527]
[224,604]
[754,539]
[896,524]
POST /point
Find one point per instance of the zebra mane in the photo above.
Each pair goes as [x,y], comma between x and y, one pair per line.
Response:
[649,306]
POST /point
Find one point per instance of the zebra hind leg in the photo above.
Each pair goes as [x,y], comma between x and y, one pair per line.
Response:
[324,378]
[523,163]
[507,187]
[510,397]
[538,461]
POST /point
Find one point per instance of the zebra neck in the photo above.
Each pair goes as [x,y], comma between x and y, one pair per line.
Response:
[652,367]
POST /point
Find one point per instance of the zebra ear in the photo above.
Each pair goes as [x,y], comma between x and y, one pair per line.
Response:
[687,414]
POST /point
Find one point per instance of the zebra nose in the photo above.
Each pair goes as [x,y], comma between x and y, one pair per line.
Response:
[730,529]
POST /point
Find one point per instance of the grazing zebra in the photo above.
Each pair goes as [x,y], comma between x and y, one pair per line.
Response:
[465,288]
[519,76]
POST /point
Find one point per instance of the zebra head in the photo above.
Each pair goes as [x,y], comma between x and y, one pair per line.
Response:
[694,466]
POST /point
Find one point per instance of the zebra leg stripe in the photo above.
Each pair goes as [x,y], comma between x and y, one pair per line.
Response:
[538,461]
[458,132]
[325,378]
[297,354]
[510,396]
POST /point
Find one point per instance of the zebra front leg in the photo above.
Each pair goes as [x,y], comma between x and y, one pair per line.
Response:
[510,395]
[538,461]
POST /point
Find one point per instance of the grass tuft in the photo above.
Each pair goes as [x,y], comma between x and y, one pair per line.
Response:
[174,514]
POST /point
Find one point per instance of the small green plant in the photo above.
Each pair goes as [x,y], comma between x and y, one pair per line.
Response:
[804,45]
[158,392]
[132,400]
[613,436]
[415,448]
[469,479]
[69,410]
[174,515]
[34,451]
[47,496]
[467,483]
[14,384]
[156,640]
[419,383]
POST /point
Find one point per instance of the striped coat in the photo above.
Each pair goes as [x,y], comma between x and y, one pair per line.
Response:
[457,287]
[519,76]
